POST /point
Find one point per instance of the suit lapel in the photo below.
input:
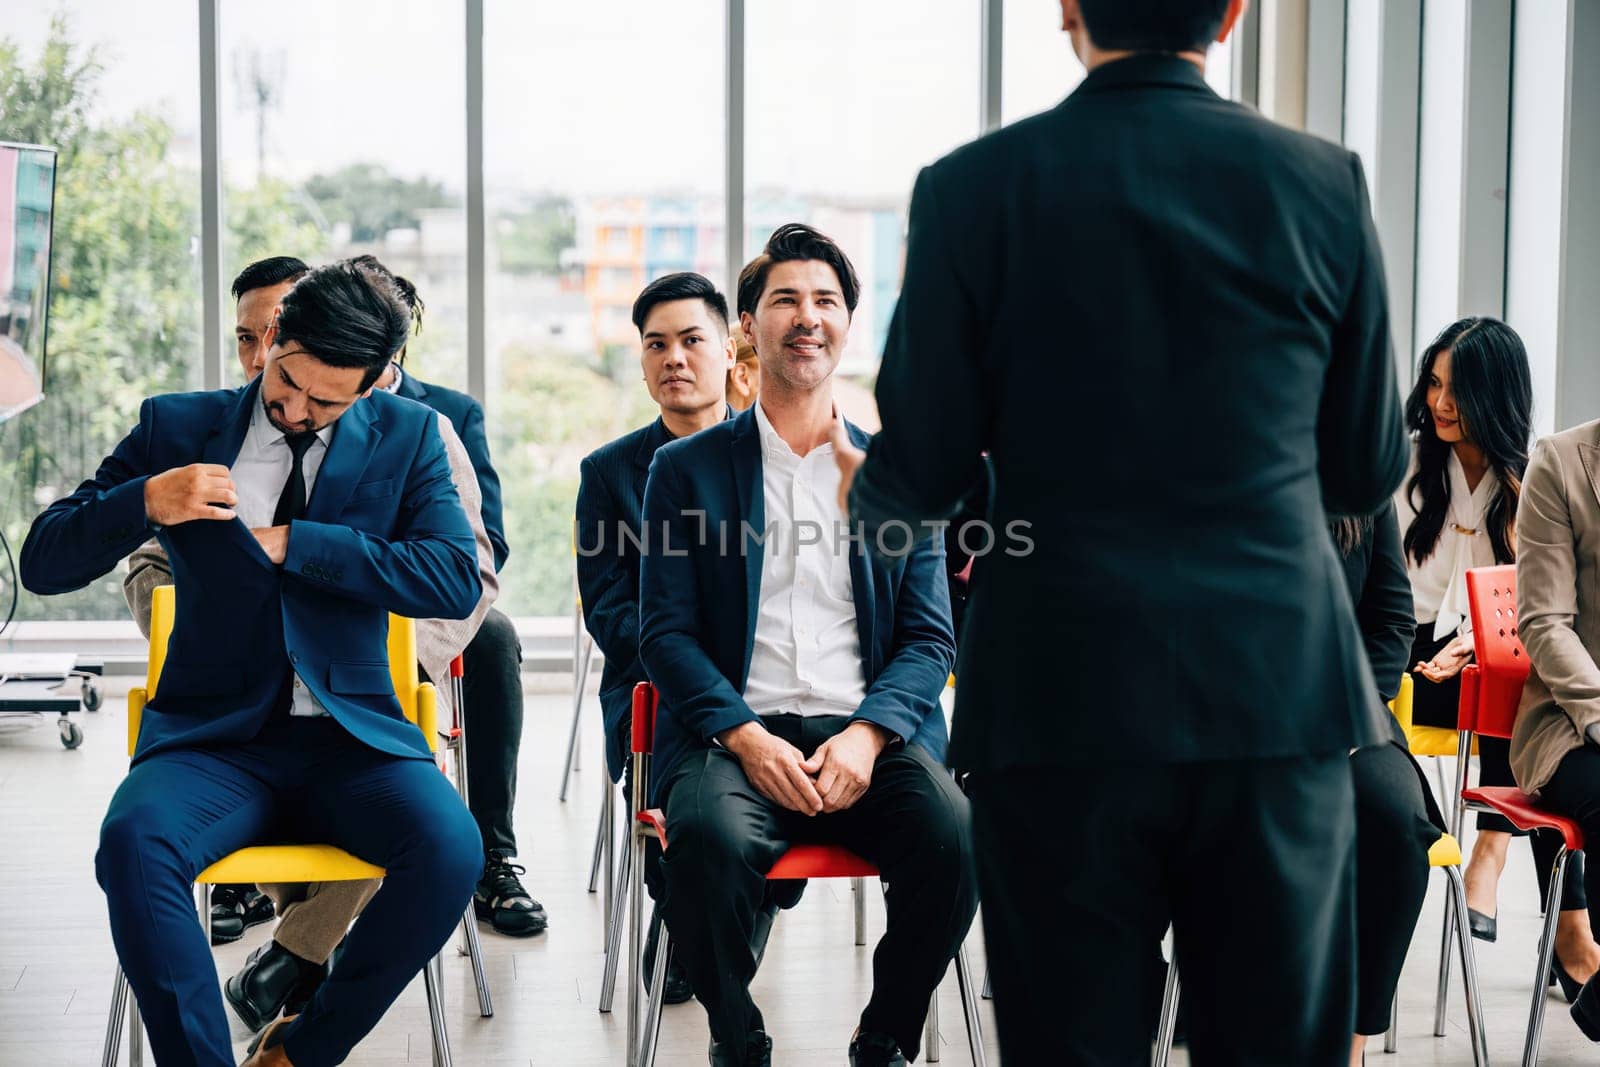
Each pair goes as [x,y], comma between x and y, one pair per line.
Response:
[412,389]
[753,511]
[1589,453]
[654,436]
[227,433]
[862,585]
[355,438]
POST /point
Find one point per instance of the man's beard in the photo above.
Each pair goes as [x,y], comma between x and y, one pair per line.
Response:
[283,427]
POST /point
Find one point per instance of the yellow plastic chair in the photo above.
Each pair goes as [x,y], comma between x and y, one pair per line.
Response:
[281,863]
[1444,854]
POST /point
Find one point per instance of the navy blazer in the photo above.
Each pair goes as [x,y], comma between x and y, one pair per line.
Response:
[698,602]
[384,531]
[466,415]
[610,497]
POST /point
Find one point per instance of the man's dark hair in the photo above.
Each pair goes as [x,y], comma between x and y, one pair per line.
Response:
[407,291]
[789,242]
[684,285]
[346,314]
[1153,25]
[274,270]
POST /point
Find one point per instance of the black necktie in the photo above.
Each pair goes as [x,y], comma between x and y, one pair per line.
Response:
[292,501]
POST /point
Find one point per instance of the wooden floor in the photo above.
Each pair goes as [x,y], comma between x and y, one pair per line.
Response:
[56,958]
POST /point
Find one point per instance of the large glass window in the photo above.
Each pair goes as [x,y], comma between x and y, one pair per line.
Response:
[846,103]
[1533,238]
[1444,90]
[344,133]
[604,163]
[112,86]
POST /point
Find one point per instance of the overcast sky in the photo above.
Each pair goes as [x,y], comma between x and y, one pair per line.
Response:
[843,97]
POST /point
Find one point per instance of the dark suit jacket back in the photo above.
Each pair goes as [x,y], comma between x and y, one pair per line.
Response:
[466,415]
[1164,318]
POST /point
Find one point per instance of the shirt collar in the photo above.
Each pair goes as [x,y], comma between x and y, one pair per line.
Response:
[774,445]
[399,375]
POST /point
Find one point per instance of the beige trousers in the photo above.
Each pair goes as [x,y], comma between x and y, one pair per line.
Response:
[313,916]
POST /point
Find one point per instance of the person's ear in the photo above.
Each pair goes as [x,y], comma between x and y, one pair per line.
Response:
[1070,16]
[270,337]
[747,326]
[730,352]
[1230,19]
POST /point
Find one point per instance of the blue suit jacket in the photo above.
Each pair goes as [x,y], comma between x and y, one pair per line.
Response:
[698,602]
[384,531]
[466,415]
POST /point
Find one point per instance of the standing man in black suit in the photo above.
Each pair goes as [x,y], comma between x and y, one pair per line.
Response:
[1175,666]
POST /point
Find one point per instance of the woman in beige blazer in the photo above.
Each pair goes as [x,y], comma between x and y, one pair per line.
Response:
[1555,748]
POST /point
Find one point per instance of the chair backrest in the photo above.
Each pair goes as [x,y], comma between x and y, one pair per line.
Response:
[645,702]
[1490,708]
[402,660]
[1402,703]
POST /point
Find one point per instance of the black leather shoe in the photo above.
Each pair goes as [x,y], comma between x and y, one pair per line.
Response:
[271,978]
[1484,927]
[676,988]
[872,1049]
[755,1052]
[236,908]
[1570,986]
[1586,1009]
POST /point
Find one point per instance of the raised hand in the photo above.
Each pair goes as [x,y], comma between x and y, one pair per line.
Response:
[183,494]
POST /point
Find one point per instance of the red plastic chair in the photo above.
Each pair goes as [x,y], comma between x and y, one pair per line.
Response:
[1491,690]
[800,861]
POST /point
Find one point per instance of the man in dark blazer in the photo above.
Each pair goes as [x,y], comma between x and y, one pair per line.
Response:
[685,355]
[799,677]
[1175,664]
[295,520]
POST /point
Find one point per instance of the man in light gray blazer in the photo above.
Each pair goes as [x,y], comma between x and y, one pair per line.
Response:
[1555,747]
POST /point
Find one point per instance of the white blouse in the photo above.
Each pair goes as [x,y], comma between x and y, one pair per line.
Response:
[1439,583]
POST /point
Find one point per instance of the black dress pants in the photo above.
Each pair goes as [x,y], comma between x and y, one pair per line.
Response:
[1393,835]
[493,685]
[1574,791]
[723,837]
[1252,863]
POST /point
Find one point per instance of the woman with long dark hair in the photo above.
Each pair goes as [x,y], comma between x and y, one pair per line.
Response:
[1471,419]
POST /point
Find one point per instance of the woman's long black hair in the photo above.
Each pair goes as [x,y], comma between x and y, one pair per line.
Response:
[1494,398]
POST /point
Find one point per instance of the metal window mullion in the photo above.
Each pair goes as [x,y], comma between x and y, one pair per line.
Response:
[1325,66]
[1395,185]
[733,175]
[211,217]
[477,229]
[1578,314]
[1485,158]
[991,63]
[1247,57]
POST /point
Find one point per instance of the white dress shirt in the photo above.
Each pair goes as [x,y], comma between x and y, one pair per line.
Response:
[807,656]
[259,475]
[1439,583]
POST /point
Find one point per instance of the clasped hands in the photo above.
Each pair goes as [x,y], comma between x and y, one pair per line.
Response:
[204,491]
[1449,660]
[833,779]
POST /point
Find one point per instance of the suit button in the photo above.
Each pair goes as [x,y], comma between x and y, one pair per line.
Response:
[294,657]
[306,568]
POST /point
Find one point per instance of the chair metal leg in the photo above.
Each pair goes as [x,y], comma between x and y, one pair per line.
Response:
[1442,994]
[652,1004]
[1169,1016]
[988,983]
[969,1008]
[635,922]
[608,982]
[119,1008]
[1469,968]
[598,853]
[1547,949]
[1391,1037]
[480,977]
[431,979]
[608,819]
[930,1029]
[582,651]
[856,887]
[135,1034]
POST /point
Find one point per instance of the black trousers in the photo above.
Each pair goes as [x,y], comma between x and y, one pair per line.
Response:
[493,685]
[1393,835]
[1250,861]
[723,836]
[1574,791]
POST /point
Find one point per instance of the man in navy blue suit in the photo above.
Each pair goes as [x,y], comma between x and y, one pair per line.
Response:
[799,676]
[685,355]
[295,520]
